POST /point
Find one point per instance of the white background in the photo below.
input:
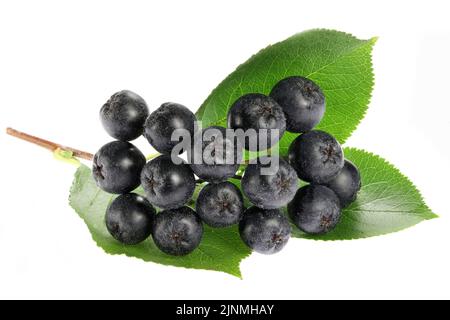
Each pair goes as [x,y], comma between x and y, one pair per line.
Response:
[61,60]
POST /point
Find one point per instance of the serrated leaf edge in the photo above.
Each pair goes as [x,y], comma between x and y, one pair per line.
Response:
[370,42]
[236,272]
[430,214]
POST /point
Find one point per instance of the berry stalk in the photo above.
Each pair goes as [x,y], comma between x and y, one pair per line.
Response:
[52,146]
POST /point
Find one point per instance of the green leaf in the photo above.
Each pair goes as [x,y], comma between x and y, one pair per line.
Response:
[388,202]
[220,250]
[338,62]
[66,156]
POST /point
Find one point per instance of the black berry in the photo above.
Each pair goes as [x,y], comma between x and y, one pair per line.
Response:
[129,218]
[167,185]
[177,231]
[346,184]
[220,205]
[117,167]
[123,115]
[219,155]
[316,156]
[265,231]
[163,121]
[257,111]
[273,189]
[315,209]
[302,101]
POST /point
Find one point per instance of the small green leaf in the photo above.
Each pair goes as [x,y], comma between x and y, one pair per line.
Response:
[388,202]
[338,62]
[66,156]
[220,250]
[152,156]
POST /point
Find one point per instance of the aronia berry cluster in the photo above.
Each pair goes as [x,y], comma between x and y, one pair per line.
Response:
[295,104]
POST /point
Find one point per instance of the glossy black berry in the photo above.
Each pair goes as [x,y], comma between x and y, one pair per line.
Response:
[123,115]
[218,157]
[220,205]
[163,121]
[129,218]
[272,189]
[265,231]
[117,167]
[346,184]
[177,231]
[167,185]
[302,101]
[257,111]
[315,209]
[316,156]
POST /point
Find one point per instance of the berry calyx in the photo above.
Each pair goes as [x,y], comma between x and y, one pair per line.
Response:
[302,101]
[177,231]
[117,167]
[316,156]
[220,205]
[315,209]
[273,189]
[257,111]
[264,231]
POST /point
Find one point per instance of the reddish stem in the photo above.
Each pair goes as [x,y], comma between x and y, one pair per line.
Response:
[48,144]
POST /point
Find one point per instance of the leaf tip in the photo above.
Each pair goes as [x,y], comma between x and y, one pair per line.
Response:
[238,275]
[432,216]
[374,40]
